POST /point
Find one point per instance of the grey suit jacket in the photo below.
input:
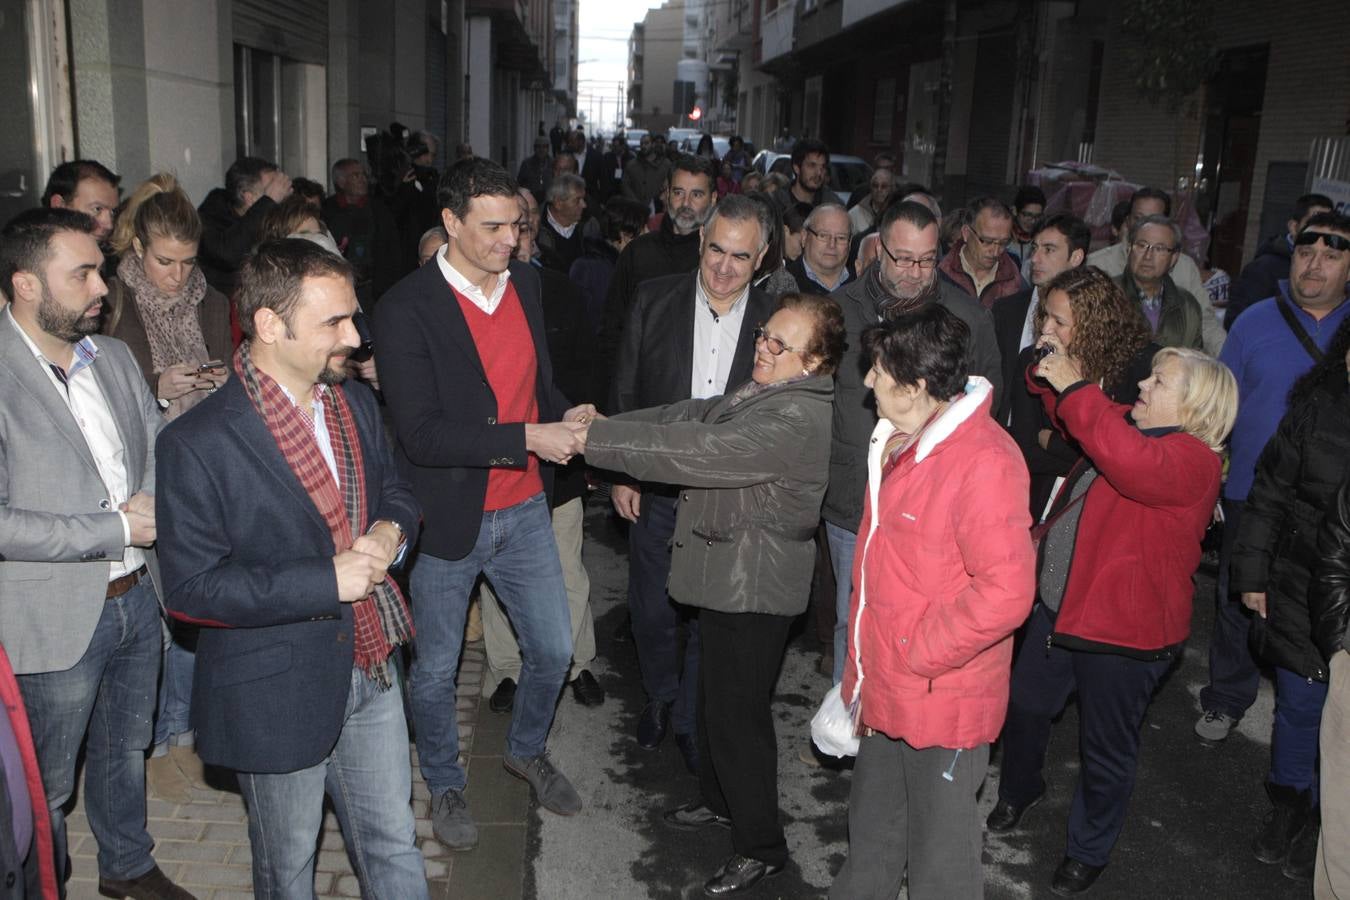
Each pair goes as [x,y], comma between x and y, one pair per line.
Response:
[58,528]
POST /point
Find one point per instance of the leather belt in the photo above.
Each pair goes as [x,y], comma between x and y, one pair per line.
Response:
[119,586]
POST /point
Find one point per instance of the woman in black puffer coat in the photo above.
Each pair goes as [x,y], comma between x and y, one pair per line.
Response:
[1297,477]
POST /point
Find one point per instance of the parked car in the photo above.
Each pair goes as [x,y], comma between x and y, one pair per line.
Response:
[721,145]
[678,136]
[847,173]
[634,137]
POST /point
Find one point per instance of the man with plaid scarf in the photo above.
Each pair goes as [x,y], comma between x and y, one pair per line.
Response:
[286,513]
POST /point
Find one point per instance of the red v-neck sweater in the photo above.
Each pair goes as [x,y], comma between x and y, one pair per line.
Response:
[506,349]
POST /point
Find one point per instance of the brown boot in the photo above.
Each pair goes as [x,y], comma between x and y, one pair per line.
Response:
[166,781]
[190,764]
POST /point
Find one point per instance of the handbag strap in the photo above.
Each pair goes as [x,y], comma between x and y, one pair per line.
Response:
[1299,332]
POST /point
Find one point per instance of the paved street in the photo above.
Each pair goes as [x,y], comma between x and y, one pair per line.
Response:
[1190,824]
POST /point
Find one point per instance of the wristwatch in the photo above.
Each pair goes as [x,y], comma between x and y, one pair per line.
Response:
[402,535]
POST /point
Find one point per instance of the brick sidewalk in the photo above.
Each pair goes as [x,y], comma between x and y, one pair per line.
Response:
[203,845]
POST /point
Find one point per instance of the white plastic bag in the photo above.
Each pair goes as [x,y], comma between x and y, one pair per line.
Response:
[832,726]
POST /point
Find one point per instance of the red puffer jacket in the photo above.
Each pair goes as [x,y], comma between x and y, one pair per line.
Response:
[944,573]
[1140,530]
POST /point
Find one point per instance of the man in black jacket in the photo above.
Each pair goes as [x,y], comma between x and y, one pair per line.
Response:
[904,278]
[688,336]
[232,218]
[365,231]
[691,192]
[479,424]
[1261,277]
[565,227]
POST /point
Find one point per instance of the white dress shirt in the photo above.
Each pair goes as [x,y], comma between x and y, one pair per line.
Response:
[1029,324]
[715,338]
[488,303]
[564,230]
[89,407]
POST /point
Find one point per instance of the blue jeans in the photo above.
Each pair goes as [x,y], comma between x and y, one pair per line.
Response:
[369,776]
[517,552]
[108,696]
[842,545]
[1233,675]
[175,689]
[666,677]
[1294,738]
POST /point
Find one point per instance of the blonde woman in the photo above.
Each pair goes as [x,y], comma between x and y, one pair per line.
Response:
[1114,601]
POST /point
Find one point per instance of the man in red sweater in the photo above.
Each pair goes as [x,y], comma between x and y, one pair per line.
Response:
[479,426]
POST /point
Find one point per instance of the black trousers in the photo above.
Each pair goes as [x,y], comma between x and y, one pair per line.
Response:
[741,656]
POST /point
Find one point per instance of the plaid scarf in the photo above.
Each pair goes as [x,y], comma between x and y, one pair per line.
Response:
[380,619]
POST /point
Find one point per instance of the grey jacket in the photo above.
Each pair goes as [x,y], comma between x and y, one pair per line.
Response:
[58,530]
[854,411]
[754,476]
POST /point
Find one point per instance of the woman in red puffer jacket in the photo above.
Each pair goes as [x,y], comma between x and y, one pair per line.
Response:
[944,574]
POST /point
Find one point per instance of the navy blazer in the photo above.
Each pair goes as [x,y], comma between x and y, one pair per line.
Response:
[245,553]
[443,409]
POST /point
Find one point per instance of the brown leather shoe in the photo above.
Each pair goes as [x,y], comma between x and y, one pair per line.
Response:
[166,781]
[153,885]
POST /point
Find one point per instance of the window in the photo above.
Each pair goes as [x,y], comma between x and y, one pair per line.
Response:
[883,110]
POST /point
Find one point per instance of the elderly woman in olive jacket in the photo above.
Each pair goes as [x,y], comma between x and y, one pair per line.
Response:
[754,464]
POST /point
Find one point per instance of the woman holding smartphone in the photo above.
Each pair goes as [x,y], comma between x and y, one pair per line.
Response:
[160,305]
[178,329]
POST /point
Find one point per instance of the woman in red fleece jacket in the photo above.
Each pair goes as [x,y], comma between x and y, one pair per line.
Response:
[1114,590]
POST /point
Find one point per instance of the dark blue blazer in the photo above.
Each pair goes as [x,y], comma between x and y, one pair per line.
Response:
[245,553]
[444,410]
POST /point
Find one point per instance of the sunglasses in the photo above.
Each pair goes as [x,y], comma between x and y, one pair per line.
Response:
[1333,241]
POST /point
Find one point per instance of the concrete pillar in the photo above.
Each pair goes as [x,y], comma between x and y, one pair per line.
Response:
[479,71]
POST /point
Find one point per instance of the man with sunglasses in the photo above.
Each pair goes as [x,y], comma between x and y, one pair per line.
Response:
[1271,345]
[822,267]
[904,279]
[687,337]
[979,263]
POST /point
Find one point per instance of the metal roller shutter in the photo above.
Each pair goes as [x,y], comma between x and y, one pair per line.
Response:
[295,29]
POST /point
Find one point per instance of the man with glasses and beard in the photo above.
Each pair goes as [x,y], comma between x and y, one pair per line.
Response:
[902,280]
[664,360]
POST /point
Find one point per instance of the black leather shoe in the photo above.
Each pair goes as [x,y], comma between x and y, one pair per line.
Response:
[694,817]
[737,874]
[504,697]
[1005,817]
[652,725]
[153,885]
[688,745]
[1073,877]
[587,690]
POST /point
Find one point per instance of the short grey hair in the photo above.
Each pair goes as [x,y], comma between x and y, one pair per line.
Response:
[740,208]
[823,208]
[438,232]
[1165,221]
[563,185]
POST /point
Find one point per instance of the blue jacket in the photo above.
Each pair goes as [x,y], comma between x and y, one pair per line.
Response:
[1266,358]
[245,553]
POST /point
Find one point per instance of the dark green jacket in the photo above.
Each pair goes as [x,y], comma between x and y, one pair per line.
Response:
[1179,325]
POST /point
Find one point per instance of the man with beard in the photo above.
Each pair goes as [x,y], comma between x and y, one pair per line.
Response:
[648,173]
[1271,345]
[903,279]
[811,174]
[296,689]
[688,336]
[79,613]
[690,192]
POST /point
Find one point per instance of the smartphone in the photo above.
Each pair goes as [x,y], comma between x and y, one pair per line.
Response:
[213,364]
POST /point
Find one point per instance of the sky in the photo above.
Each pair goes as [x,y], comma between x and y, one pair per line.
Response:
[602,68]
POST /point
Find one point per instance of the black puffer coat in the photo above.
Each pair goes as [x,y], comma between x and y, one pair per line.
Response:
[1297,477]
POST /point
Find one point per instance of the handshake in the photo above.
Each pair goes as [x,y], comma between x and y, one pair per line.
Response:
[558,442]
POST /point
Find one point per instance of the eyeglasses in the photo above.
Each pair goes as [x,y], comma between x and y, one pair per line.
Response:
[1144,248]
[1000,243]
[1333,241]
[837,239]
[774,345]
[906,262]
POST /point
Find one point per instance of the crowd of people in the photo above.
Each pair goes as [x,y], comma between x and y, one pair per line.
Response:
[309,443]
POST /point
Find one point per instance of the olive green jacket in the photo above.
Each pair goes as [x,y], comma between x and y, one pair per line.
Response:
[754,475]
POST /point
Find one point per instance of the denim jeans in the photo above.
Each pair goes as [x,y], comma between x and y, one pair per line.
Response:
[108,696]
[175,689]
[369,776]
[517,553]
[842,545]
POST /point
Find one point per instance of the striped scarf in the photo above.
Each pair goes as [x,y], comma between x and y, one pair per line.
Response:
[380,619]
